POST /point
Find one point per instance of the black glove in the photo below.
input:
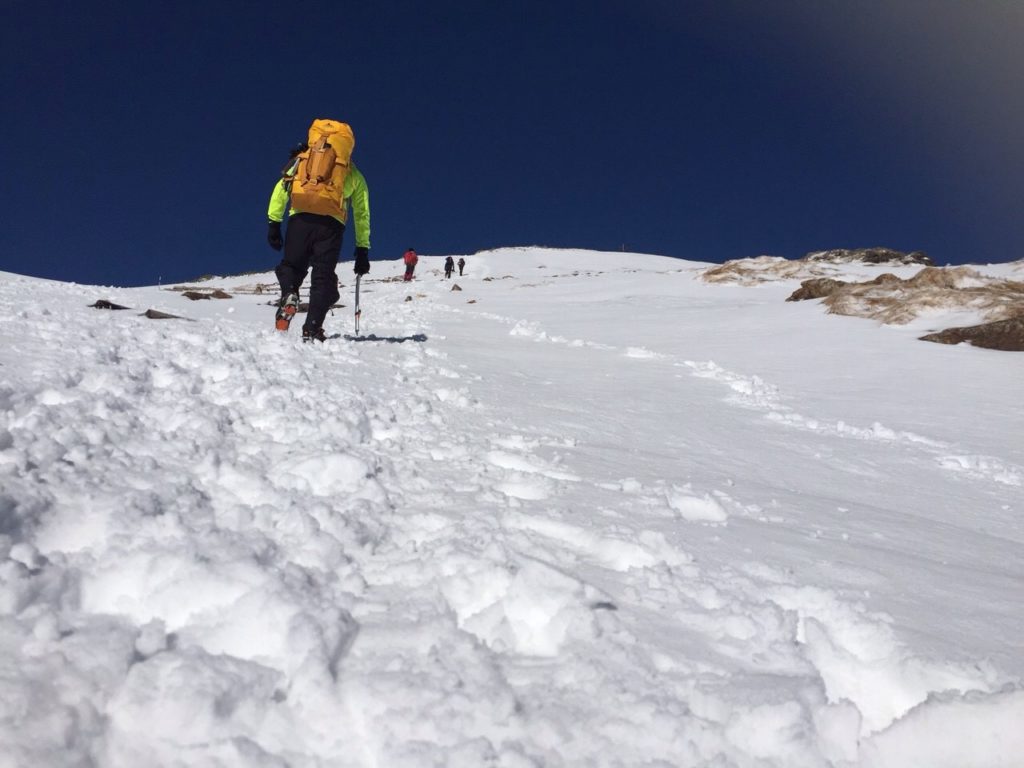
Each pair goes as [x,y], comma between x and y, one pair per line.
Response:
[274,235]
[362,261]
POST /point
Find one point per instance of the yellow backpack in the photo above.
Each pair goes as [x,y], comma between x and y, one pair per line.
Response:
[319,181]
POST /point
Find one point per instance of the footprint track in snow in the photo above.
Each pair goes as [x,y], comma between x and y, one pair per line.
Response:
[754,392]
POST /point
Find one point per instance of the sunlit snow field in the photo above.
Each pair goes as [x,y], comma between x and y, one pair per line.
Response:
[587,511]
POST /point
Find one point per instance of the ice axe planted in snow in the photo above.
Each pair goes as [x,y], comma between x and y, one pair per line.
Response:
[358,310]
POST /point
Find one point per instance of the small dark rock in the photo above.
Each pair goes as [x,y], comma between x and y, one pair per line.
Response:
[156,314]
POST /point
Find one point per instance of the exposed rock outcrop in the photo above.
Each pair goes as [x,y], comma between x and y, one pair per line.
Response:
[823,287]
[823,264]
[998,303]
[870,256]
[1006,335]
[892,300]
[760,269]
[816,288]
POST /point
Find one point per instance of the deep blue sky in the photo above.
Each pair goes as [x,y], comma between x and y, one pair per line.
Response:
[141,139]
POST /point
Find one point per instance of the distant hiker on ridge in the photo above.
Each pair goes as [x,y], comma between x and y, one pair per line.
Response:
[462,264]
[321,180]
[449,266]
[410,260]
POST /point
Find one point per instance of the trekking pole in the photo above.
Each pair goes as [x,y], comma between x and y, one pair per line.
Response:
[358,310]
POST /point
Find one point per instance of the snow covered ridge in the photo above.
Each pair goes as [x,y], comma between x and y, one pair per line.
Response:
[590,510]
[993,304]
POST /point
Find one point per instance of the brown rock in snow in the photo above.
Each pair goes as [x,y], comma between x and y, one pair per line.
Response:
[156,314]
[1007,335]
[870,256]
[816,288]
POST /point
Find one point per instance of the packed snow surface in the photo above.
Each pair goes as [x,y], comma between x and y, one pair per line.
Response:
[590,510]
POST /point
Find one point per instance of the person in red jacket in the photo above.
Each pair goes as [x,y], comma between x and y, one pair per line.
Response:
[410,260]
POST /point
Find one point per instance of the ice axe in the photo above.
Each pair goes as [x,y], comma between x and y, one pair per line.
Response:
[358,310]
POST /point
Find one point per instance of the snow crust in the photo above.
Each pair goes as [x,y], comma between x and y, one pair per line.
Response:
[590,510]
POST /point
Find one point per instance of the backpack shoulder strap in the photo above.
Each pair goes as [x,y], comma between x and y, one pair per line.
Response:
[289,170]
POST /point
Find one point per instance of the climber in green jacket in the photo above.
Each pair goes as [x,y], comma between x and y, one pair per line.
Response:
[316,224]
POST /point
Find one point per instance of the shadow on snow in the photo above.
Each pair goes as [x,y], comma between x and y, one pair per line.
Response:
[419,337]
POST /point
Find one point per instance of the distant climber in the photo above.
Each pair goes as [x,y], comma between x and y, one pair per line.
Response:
[449,267]
[410,260]
[462,265]
[321,182]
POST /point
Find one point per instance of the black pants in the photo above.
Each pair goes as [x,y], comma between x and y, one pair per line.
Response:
[312,241]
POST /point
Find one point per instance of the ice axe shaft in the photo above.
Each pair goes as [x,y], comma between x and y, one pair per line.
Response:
[358,310]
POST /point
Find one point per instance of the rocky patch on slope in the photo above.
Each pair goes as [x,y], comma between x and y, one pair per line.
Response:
[1005,335]
[870,256]
[892,300]
[764,269]
[997,303]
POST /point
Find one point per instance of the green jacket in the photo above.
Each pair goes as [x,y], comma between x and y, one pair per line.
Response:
[355,192]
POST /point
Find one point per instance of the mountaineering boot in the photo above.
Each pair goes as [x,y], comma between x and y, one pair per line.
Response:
[286,309]
[316,334]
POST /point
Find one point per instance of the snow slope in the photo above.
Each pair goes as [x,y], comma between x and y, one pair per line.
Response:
[588,510]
